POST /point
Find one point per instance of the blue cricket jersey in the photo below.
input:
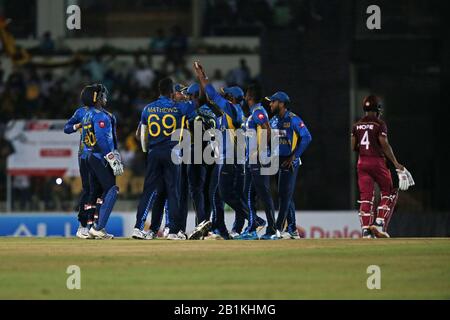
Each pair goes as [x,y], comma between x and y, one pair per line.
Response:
[294,135]
[76,118]
[232,118]
[98,133]
[162,117]
[113,127]
[258,116]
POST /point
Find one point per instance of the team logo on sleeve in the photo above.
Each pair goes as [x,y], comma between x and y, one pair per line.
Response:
[101,124]
[260,116]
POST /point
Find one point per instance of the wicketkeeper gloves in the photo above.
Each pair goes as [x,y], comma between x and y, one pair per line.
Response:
[115,163]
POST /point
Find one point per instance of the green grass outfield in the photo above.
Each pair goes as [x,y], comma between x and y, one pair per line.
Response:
[35,268]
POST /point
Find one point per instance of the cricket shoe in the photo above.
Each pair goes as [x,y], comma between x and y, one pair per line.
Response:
[216,234]
[271,236]
[200,231]
[142,235]
[166,232]
[285,236]
[295,235]
[366,234]
[234,235]
[100,234]
[176,236]
[377,229]
[248,235]
[260,223]
[82,232]
[213,236]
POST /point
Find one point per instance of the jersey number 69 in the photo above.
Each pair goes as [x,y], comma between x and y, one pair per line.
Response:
[168,122]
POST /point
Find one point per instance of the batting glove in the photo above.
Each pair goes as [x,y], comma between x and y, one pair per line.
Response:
[403,183]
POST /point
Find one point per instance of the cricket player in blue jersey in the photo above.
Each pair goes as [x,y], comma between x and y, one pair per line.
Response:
[158,200]
[159,120]
[232,173]
[294,138]
[257,183]
[104,162]
[73,125]
[203,178]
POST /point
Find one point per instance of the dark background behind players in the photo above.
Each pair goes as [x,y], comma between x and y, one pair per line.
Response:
[320,52]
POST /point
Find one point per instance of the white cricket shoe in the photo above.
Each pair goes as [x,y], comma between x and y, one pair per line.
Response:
[166,232]
[142,235]
[295,235]
[377,229]
[100,234]
[201,230]
[82,232]
[178,236]
[234,235]
[213,236]
[285,235]
[276,236]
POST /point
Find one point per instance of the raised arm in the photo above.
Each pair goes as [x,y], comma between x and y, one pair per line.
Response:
[218,103]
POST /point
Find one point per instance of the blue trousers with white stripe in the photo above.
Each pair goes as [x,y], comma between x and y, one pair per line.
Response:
[162,174]
[259,185]
[215,199]
[286,186]
[291,219]
[232,187]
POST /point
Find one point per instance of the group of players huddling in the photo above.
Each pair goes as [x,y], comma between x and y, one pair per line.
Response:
[237,174]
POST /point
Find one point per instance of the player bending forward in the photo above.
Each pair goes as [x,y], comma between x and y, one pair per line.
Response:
[369,139]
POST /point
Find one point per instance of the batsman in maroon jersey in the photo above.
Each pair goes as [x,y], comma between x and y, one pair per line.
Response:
[369,139]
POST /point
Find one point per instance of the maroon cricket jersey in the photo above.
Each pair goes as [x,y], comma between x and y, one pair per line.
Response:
[366,132]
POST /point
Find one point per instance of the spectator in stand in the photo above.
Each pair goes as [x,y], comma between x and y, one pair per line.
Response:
[158,44]
[217,80]
[96,68]
[6,149]
[143,75]
[47,45]
[176,48]
[21,192]
[239,76]
[33,87]
[46,83]
[282,14]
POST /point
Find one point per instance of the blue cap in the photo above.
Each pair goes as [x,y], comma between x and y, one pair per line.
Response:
[279,96]
[235,92]
[178,87]
[193,89]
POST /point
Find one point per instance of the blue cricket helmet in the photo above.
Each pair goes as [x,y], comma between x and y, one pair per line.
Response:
[178,87]
[193,89]
[234,91]
[279,96]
